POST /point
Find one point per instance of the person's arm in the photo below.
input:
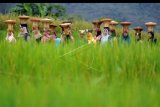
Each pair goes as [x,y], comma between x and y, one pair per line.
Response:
[97,38]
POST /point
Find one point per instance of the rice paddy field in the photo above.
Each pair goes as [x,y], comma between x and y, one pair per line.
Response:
[77,74]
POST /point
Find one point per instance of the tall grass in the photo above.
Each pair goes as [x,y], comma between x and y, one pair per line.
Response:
[45,75]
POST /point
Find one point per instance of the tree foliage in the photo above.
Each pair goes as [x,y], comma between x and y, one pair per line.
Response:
[39,9]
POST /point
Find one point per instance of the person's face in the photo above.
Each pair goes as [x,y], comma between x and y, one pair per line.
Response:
[97,29]
[67,31]
[149,29]
[137,35]
[105,32]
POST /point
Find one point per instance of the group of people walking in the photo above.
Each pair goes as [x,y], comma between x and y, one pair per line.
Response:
[107,34]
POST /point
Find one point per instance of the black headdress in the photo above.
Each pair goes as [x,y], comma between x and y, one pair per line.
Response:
[25,25]
[107,28]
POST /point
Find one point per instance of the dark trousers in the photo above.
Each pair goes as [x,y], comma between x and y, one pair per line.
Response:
[26,36]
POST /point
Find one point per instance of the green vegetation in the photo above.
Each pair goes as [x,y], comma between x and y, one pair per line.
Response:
[39,9]
[44,75]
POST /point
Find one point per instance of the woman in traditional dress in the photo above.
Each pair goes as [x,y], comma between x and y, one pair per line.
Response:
[152,38]
[125,37]
[98,35]
[67,36]
[90,37]
[37,34]
[105,37]
[24,32]
[46,36]
[10,37]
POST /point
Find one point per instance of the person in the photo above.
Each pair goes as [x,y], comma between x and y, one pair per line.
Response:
[138,37]
[58,41]
[53,35]
[151,38]
[46,36]
[37,34]
[105,37]
[10,37]
[67,36]
[90,37]
[98,35]
[52,29]
[126,37]
[24,32]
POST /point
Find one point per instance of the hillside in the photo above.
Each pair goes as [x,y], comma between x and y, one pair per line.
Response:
[137,13]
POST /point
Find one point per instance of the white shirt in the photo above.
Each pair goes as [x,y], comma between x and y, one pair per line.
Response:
[104,38]
[10,38]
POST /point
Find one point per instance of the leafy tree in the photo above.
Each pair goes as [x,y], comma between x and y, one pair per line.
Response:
[39,9]
[27,7]
[59,10]
[19,9]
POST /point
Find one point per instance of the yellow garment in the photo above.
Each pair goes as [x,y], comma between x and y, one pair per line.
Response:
[90,38]
[92,41]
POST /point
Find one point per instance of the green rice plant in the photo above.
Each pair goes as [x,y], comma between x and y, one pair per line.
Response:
[79,74]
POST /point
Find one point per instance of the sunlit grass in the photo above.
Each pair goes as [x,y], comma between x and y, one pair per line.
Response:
[44,75]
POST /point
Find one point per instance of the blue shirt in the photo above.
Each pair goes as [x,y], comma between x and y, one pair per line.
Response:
[58,40]
[126,39]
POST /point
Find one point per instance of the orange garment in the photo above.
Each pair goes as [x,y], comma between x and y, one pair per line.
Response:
[90,38]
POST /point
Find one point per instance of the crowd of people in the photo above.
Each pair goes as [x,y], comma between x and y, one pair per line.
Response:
[100,35]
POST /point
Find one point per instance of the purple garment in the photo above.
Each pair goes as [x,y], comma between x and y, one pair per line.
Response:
[54,36]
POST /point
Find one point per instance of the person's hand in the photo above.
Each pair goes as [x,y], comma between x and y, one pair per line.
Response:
[98,38]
